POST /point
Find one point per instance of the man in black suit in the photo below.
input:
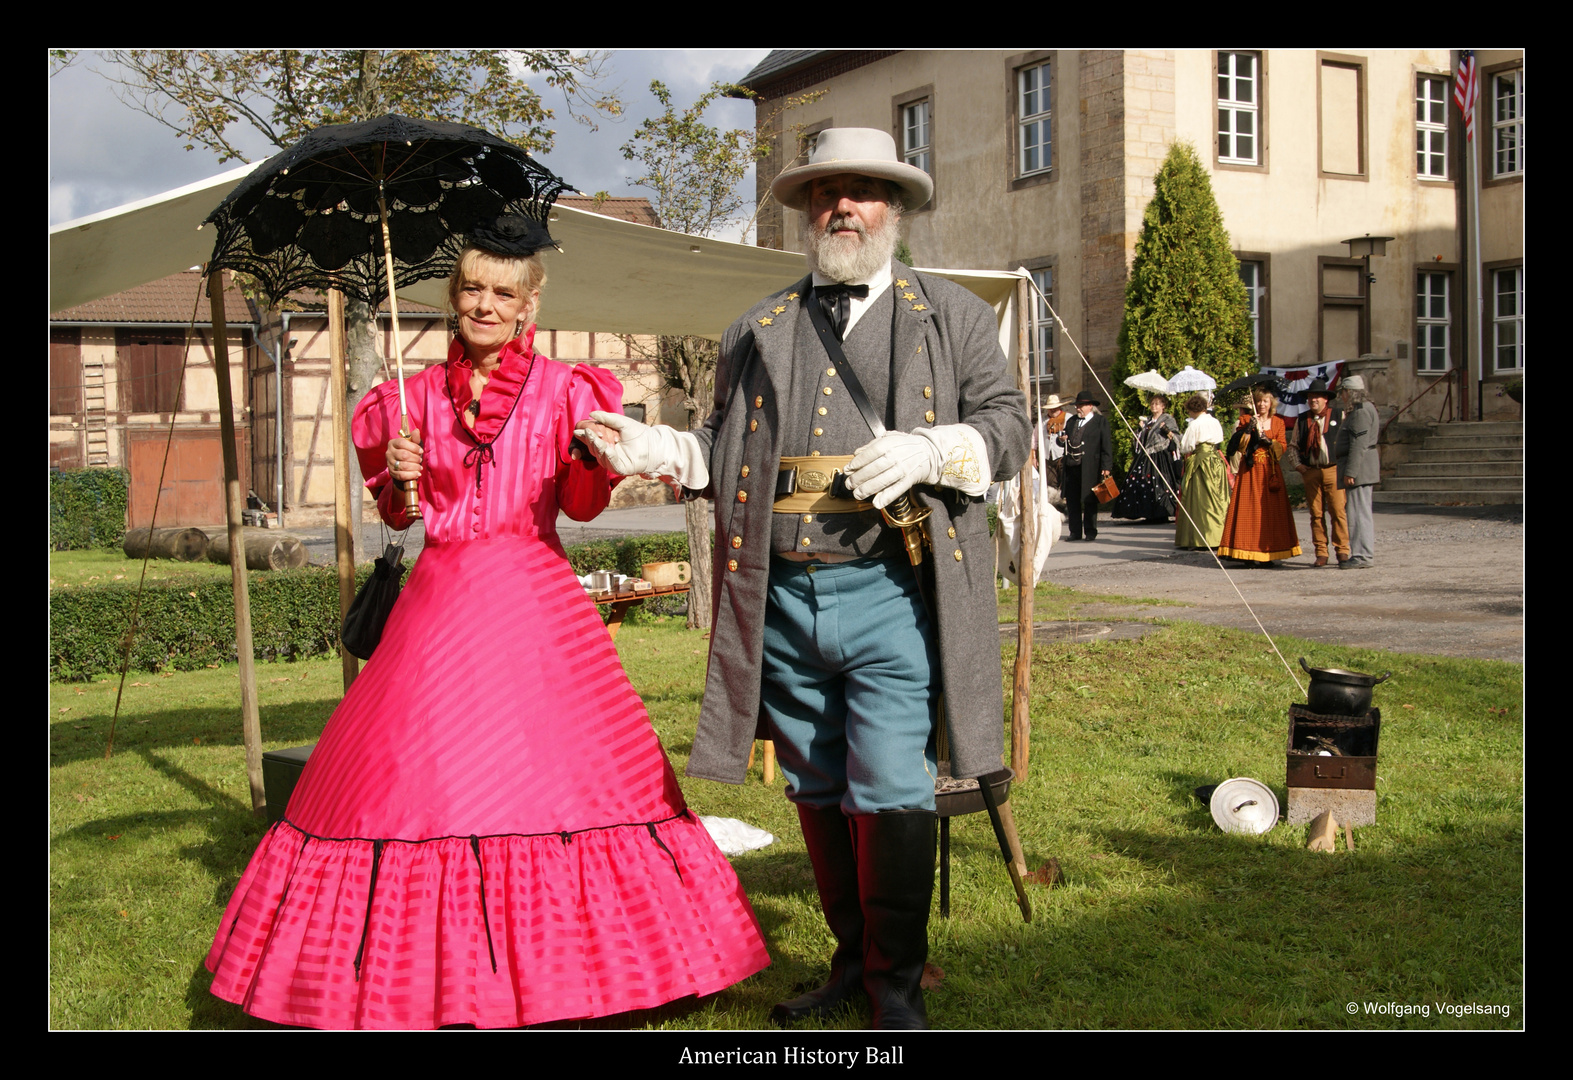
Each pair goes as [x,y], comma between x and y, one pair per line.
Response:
[1089,456]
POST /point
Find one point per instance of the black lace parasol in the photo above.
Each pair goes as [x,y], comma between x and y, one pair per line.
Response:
[309,216]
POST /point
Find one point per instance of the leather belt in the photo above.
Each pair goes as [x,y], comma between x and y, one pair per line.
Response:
[816,485]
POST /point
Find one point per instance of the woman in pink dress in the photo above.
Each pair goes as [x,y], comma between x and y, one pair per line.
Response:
[488,831]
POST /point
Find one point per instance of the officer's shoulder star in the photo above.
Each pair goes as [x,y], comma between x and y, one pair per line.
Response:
[920,307]
[791,296]
[778,309]
[901,283]
[766,321]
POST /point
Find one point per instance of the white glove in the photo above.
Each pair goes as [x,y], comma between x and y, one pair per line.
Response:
[887,467]
[644,449]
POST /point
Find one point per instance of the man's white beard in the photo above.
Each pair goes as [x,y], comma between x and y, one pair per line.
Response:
[848,258]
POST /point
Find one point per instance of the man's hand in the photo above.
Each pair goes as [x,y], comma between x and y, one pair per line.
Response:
[628,448]
[887,467]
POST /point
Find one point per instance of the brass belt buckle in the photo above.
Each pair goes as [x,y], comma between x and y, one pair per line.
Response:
[814,480]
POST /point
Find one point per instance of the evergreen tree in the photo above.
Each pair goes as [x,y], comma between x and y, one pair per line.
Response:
[1184,302]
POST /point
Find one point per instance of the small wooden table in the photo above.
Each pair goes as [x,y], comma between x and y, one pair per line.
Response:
[620,602]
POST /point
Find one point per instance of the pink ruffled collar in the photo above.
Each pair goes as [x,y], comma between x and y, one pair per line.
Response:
[502,391]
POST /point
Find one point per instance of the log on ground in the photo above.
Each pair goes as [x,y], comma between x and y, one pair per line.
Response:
[266,549]
[187,545]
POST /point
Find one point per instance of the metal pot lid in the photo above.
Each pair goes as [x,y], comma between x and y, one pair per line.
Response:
[1243,805]
[1346,678]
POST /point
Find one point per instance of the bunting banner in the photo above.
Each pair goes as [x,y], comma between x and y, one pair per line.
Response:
[1298,379]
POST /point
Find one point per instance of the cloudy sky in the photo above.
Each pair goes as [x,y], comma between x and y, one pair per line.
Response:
[103,153]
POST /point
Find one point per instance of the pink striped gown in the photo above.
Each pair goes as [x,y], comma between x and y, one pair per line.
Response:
[488,831]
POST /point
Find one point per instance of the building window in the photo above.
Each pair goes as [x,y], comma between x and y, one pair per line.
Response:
[1507,123]
[1239,108]
[1431,127]
[1253,273]
[1434,322]
[149,370]
[1041,341]
[915,141]
[1034,102]
[1508,318]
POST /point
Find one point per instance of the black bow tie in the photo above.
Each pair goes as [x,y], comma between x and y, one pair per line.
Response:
[836,302]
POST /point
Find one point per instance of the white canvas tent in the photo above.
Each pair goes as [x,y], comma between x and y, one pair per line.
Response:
[612,276]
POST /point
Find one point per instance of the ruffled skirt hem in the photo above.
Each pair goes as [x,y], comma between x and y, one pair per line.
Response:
[495,931]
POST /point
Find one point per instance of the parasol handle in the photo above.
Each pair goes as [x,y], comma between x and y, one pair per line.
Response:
[412,498]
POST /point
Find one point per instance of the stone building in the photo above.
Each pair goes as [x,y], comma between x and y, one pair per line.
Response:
[1044,159]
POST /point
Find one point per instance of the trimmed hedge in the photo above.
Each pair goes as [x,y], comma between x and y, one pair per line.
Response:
[294,613]
[87,508]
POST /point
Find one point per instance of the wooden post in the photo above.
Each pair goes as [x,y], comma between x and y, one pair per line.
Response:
[1026,562]
[343,529]
[250,722]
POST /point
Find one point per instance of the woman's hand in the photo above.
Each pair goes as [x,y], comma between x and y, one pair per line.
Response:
[404,458]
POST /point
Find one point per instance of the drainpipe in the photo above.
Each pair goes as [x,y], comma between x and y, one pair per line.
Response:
[278,413]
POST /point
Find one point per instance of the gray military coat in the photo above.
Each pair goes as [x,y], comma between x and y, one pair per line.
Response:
[947,369]
[1355,448]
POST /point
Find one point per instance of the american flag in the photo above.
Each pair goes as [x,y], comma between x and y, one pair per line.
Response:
[1466,88]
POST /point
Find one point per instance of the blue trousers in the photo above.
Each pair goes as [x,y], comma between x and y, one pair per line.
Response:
[851,684]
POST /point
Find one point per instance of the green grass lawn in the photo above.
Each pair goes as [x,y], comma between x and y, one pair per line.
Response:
[102,566]
[1161,921]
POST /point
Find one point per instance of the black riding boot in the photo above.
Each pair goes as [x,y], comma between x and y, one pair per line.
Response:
[828,833]
[896,881]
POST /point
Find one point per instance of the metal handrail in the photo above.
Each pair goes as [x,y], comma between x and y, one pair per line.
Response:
[1447,402]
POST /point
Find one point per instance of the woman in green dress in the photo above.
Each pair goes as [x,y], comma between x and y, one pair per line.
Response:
[1204,495]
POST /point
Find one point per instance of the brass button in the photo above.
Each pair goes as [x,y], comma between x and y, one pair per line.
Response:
[822,410]
[758,401]
[731,564]
[827,391]
[745,471]
[811,568]
[807,518]
[928,391]
[737,541]
[958,554]
[831,372]
[806,541]
[929,416]
[742,496]
[813,453]
[753,425]
[951,532]
[819,431]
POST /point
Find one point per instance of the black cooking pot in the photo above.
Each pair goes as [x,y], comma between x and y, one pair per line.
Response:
[1335,692]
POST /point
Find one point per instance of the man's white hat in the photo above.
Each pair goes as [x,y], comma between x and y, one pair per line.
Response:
[864,151]
[1353,382]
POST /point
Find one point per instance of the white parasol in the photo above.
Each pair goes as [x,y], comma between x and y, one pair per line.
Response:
[1149,381]
[1190,380]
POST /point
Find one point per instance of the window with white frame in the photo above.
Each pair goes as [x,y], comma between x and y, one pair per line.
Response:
[1508,318]
[1255,291]
[1433,321]
[915,136]
[1042,339]
[1507,123]
[1239,108]
[1033,109]
[1431,127]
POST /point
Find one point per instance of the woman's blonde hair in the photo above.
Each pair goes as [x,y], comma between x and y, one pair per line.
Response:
[527,273]
[1258,394]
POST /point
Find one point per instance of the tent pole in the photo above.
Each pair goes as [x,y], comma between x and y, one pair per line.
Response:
[343,530]
[1026,562]
[251,724]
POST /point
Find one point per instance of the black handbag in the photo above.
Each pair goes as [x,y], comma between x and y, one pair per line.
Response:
[369,611]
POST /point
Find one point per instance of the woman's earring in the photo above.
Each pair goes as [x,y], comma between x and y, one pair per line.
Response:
[453,325]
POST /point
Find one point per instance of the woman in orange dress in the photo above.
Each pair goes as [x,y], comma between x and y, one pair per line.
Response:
[1260,527]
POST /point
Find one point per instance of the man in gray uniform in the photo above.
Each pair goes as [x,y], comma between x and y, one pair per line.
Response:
[863,388]
[1359,469]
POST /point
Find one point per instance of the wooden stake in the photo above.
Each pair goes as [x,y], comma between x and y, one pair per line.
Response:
[250,722]
[1026,566]
[343,529]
